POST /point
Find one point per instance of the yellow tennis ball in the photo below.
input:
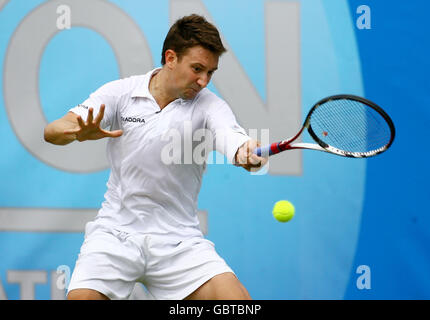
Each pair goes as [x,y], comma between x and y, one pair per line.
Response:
[283,211]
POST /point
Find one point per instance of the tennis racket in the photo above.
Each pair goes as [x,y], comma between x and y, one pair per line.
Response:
[344,125]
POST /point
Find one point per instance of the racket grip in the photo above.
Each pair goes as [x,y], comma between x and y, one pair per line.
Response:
[263,151]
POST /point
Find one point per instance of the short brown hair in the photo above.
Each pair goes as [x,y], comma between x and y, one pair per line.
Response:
[191,31]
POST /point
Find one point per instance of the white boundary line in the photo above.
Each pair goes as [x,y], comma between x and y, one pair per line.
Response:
[45,219]
[58,219]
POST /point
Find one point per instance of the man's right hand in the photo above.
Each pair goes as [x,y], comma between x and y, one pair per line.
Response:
[91,130]
[71,127]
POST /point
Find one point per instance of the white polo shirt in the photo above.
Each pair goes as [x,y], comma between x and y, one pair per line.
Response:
[156,172]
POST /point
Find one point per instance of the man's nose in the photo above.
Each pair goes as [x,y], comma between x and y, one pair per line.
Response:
[203,81]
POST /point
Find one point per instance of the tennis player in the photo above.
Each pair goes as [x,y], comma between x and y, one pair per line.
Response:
[147,229]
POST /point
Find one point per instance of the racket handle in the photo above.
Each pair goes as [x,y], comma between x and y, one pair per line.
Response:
[271,149]
[263,151]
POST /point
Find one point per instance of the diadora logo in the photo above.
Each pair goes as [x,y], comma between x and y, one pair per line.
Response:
[133,119]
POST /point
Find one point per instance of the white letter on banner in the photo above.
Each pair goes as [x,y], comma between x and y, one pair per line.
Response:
[21,71]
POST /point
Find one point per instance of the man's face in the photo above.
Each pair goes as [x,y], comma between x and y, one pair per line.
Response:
[193,71]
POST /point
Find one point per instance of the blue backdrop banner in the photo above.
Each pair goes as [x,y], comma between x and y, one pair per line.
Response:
[361,229]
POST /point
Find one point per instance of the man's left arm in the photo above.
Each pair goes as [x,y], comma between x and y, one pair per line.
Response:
[231,139]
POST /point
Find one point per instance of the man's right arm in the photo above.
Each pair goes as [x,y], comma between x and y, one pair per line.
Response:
[54,131]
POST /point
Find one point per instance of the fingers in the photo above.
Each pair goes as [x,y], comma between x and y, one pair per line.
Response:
[247,159]
[241,155]
[90,116]
[80,122]
[254,160]
[115,133]
[112,134]
[100,115]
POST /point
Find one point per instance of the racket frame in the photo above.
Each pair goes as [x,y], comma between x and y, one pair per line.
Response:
[275,148]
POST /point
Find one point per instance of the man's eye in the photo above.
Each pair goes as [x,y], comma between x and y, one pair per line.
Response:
[197,69]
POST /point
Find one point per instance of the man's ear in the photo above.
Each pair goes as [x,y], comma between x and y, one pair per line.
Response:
[171,58]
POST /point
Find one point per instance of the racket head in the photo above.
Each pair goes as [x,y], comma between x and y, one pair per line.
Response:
[350,126]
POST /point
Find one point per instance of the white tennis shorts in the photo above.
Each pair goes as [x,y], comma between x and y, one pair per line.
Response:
[112,261]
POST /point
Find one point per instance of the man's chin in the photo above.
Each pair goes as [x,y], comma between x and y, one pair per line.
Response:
[189,95]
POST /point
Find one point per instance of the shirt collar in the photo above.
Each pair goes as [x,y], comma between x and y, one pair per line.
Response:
[143,90]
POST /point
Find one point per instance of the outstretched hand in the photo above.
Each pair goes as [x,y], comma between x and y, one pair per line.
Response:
[91,130]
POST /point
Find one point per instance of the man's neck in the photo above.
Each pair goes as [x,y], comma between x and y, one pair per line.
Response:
[158,87]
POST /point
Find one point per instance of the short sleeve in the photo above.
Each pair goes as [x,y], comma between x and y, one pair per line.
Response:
[107,95]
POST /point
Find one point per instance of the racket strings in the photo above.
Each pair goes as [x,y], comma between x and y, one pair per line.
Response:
[365,129]
[350,126]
